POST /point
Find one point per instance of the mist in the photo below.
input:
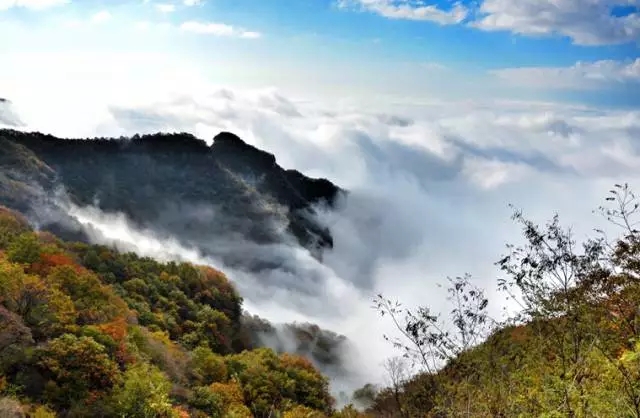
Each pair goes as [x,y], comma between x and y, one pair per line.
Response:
[429,187]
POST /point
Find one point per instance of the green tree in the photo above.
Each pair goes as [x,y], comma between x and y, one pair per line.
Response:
[25,249]
[144,393]
[76,367]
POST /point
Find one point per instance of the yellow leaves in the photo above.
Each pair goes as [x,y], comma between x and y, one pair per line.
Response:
[144,393]
[297,362]
[631,358]
[207,366]
[11,282]
[42,412]
[231,393]
[63,311]
[94,301]
[239,411]
[12,224]
[299,411]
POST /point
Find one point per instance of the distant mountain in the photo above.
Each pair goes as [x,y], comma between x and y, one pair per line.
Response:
[174,184]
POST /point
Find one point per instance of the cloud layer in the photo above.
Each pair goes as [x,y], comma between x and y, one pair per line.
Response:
[582,75]
[429,183]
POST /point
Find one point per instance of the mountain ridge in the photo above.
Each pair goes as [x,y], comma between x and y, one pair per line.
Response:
[156,180]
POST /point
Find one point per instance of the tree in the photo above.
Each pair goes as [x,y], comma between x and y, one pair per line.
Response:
[14,338]
[144,393]
[12,225]
[428,339]
[207,367]
[25,249]
[76,366]
[548,277]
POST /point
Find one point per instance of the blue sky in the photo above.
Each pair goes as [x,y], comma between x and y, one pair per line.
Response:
[584,51]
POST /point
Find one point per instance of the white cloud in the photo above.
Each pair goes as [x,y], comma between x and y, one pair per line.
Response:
[433,66]
[101,17]
[218,29]
[166,8]
[31,4]
[8,117]
[410,10]
[582,75]
[429,190]
[190,3]
[586,22]
[430,181]
[250,35]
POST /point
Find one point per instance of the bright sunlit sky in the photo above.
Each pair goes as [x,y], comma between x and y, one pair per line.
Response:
[582,51]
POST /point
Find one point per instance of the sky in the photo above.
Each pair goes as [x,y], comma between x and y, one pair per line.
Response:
[582,51]
[436,115]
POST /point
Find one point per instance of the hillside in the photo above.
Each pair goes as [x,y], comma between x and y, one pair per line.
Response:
[174,184]
[87,331]
[572,349]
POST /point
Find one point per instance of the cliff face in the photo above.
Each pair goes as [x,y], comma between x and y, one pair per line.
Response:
[171,183]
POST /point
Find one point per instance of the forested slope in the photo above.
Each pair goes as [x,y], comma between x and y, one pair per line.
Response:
[87,331]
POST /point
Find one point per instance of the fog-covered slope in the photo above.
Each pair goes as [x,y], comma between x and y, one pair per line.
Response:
[172,183]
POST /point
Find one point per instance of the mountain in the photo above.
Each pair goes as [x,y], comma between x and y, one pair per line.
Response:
[173,184]
[88,331]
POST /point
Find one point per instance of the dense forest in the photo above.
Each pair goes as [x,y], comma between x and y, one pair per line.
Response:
[87,331]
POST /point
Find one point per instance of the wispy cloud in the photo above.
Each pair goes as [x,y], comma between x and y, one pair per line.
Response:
[410,10]
[219,29]
[585,22]
[101,17]
[582,75]
[166,8]
[433,66]
[31,4]
[190,3]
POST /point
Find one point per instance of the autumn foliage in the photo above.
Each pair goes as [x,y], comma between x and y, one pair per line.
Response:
[88,331]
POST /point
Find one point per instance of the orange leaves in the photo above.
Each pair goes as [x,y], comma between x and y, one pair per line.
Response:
[47,262]
[298,362]
[519,333]
[116,329]
[180,412]
[214,277]
[231,393]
